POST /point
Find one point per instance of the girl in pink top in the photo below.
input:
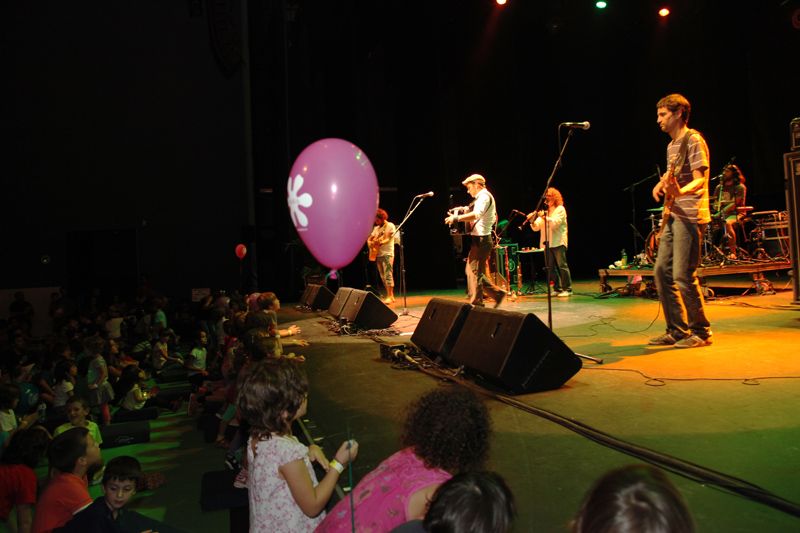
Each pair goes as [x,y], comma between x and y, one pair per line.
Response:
[446,432]
[283,488]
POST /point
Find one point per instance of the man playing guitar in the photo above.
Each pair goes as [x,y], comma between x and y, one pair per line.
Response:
[685,190]
[381,250]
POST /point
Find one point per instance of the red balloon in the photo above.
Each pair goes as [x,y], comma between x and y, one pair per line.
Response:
[241,251]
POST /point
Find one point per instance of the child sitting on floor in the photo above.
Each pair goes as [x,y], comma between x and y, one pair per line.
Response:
[78,413]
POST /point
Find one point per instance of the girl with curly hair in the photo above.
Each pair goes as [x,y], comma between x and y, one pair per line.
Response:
[446,432]
[283,489]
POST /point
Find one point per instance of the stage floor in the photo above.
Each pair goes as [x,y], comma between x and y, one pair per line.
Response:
[730,407]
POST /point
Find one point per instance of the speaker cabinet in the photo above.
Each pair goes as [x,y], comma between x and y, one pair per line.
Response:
[440,325]
[339,300]
[367,311]
[317,297]
[125,433]
[514,351]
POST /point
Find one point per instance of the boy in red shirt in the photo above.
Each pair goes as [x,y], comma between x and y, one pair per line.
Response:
[73,456]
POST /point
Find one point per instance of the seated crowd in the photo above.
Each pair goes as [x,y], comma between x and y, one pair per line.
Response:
[59,393]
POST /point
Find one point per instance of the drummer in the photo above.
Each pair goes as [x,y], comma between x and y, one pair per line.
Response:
[728,198]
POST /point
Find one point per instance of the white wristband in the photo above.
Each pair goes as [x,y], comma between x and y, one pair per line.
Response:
[336,465]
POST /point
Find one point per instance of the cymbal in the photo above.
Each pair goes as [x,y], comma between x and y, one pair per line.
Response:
[656,209]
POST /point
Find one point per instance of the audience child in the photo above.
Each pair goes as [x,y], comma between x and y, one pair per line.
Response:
[133,394]
[78,415]
[17,478]
[65,374]
[120,479]
[263,322]
[196,360]
[28,392]
[100,390]
[161,357]
[633,498]
[74,457]
[478,502]
[446,432]
[283,489]
[9,398]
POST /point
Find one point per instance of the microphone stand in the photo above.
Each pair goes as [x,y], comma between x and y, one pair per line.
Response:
[415,203]
[632,188]
[548,259]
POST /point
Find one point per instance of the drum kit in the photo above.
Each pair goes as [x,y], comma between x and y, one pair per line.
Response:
[760,236]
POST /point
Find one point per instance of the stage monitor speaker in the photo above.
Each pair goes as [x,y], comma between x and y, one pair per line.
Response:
[339,300]
[317,297]
[440,325]
[367,311]
[514,351]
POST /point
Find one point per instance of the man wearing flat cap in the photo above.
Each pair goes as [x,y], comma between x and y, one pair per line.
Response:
[482,218]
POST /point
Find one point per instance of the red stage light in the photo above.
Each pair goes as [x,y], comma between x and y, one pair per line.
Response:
[501,2]
[664,11]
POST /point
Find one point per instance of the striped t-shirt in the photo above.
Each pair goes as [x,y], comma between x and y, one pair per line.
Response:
[692,206]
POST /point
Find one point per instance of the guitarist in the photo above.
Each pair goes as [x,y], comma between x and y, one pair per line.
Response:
[381,251]
[481,219]
[684,188]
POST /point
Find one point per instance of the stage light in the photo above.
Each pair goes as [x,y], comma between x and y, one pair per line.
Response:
[663,12]
[600,5]
[501,2]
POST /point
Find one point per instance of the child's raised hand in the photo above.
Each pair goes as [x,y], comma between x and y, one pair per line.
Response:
[315,453]
[347,451]
[294,330]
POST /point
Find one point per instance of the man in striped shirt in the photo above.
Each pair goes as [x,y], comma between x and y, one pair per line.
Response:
[679,250]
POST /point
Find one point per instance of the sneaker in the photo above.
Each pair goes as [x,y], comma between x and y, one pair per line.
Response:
[499,298]
[663,340]
[241,479]
[693,341]
[563,294]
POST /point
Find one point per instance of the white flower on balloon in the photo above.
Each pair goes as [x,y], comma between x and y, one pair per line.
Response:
[297,200]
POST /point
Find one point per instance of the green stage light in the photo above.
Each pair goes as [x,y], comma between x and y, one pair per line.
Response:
[600,5]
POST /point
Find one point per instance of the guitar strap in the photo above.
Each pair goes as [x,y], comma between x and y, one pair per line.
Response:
[683,151]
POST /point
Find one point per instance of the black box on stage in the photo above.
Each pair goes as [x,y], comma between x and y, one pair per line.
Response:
[317,297]
[367,311]
[124,415]
[440,325]
[514,351]
[125,433]
[339,301]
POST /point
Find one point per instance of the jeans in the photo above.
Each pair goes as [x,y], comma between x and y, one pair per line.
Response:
[679,253]
[559,269]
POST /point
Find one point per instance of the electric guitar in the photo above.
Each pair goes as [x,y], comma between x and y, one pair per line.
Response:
[669,180]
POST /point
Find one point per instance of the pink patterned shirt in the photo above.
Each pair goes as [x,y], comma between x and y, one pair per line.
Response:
[272,507]
[381,498]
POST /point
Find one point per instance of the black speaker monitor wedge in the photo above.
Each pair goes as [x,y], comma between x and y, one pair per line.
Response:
[514,351]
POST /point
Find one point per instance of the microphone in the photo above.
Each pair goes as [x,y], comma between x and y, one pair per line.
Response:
[425,195]
[578,125]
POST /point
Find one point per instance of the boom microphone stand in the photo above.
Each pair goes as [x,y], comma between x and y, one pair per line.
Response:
[548,259]
[415,203]
[632,189]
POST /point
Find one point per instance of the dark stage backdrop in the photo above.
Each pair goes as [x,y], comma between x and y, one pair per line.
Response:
[136,117]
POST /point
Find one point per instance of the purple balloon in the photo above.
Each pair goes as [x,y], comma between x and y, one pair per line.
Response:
[333,196]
